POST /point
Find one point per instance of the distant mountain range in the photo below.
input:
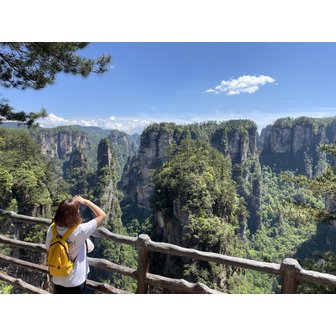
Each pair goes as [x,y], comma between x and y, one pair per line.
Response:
[99,131]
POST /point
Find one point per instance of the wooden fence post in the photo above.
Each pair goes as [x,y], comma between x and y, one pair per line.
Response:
[143,264]
[290,269]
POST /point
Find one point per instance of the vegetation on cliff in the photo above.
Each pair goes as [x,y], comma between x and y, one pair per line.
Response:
[199,131]
[319,252]
[195,192]
[314,123]
[23,172]
[282,230]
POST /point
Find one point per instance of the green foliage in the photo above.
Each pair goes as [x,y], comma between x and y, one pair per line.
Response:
[247,175]
[5,288]
[321,262]
[315,123]
[35,65]
[135,220]
[22,171]
[253,282]
[329,148]
[123,255]
[6,184]
[284,122]
[76,173]
[59,188]
[105,194]
[283,229]
[195,189]
[198,179]
[209,234]
[36,233]
[28,119]
[208,131]
[125,147]
[323,185]
[317,256]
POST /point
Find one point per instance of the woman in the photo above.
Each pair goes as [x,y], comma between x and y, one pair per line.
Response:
[67,216]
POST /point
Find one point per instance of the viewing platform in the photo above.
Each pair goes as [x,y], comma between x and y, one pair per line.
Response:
[289,270]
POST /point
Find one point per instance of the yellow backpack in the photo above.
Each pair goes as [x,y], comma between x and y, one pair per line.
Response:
[59,262]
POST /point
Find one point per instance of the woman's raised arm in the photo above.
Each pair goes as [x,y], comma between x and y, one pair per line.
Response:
[99,213]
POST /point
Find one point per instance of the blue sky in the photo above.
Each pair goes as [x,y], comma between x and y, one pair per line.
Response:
[191,82]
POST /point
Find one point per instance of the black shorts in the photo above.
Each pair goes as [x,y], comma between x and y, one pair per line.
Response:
[69,290]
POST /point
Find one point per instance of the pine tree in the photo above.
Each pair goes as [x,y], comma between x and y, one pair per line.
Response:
[35,65]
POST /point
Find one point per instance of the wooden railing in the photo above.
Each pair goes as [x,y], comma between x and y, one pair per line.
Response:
[289,270]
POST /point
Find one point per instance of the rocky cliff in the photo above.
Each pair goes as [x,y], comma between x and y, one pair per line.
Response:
[105,190]
[236,138]
[125,146]
[289,144]
[60,143]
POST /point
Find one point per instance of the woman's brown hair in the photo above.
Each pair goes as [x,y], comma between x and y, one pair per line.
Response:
[68,214]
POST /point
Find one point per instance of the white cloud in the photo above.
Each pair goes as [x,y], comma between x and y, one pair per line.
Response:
[134,124]
[53,120]
[125,124]
[243,84]
[83,122]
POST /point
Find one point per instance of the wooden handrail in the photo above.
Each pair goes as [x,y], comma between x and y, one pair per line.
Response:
[104,288]
[271,268]
[22,244]
[22,284]
[104,233]
[290,270]
[317,278]
[25,264]
[23,218]
[107,265]
[101,232]
[260,266]
[179,285]
[152,279]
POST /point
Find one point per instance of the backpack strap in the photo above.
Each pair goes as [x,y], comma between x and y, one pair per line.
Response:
[68,233]
[54,231]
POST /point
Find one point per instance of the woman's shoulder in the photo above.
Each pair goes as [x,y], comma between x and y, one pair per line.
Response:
[89,222]
[91,225]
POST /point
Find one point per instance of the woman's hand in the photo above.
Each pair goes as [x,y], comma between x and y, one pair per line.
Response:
[80,199]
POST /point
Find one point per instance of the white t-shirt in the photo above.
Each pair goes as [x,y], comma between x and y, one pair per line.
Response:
[77,252]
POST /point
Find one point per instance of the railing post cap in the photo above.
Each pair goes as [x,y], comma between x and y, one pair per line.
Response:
[142,240]
[143,237]
[290,263]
